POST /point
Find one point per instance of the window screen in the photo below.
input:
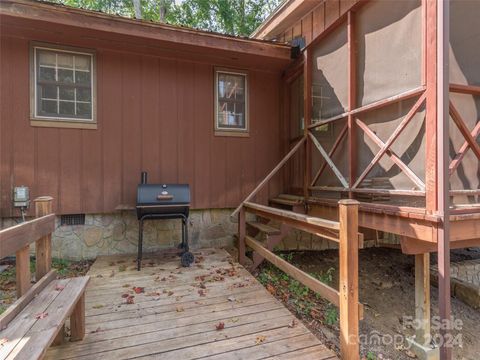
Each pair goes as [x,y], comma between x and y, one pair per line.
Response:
[64,83]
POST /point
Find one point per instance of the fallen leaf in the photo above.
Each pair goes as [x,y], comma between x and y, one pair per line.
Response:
[131,299]
[59,287]
[126,285]
[260,339]
[220,326]
[42,315]
[180,309]
[201,292]
[98,306]
[271,289]
[170,293]
[125,296]
[234,320]
[3,341]
[122,268]
[138,290]
[231,298]
[112,274]
[293,323]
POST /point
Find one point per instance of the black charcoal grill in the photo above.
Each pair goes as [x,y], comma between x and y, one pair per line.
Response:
[164,201]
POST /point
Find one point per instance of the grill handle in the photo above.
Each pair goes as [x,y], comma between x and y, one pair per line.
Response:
[143,177]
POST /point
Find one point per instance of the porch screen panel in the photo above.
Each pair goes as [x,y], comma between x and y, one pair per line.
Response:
[330,98]
[330,75]
[465,70]
[389,35]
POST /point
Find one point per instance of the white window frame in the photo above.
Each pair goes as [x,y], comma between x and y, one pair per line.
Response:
[59,121]
[223,131]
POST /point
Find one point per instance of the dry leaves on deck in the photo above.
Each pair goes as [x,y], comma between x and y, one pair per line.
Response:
[59,287]
[220,326]
[260,339]
[97,306]
[42,315]
[138,290]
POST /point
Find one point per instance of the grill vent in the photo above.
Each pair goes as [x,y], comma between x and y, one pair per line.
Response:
[72,219]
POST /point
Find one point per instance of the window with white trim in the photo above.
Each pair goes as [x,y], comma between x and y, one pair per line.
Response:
[63,85]
[231,103]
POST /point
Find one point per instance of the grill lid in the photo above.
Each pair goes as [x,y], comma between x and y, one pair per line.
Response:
[163,194]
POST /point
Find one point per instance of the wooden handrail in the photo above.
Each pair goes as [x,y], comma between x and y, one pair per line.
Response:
[16,237]
[373,106]
[393,192]
[465,89]
[346,298]
[310,220]
[270,175]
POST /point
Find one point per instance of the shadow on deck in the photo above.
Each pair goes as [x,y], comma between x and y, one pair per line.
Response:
[177,315]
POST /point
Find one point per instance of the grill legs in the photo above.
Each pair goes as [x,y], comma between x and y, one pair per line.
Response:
[187,257]
[140,244]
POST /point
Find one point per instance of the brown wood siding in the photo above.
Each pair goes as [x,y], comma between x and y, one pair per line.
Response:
[316,21]
[154,114]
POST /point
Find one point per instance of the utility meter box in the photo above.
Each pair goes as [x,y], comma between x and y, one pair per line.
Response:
[21,196]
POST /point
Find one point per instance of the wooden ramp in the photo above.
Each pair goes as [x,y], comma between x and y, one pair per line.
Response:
[177,314]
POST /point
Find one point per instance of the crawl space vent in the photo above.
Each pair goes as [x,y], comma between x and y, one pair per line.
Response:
[73,219]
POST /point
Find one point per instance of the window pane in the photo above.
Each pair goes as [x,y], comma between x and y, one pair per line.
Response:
[63,84]
[65,60]
[65,76]
[46,58]
[48,106]
[82,62]
[231,101]
[82,77]
[84,94]
[67,108]
[84,110]
[67,93]
[47,74]
[48,91]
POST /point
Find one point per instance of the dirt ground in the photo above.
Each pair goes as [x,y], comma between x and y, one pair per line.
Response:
[387,291]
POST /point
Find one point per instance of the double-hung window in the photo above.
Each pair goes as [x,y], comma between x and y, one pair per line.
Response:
[63,87]
[231,102]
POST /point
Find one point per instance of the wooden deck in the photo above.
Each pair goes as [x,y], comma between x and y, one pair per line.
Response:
[177,315]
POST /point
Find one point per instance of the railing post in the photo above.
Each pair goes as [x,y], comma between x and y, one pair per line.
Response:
[22,268]
[348,287]
[241,236]
[43,246]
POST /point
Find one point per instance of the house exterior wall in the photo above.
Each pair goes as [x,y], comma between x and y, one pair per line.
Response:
[155,114]
[316,21]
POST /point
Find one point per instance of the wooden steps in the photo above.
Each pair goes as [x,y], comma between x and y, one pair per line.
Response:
[286,202]
[263,228]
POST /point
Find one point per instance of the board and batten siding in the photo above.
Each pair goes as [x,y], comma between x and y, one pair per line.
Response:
[154,114]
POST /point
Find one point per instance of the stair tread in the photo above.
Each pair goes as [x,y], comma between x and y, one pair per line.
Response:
[291,197]
[289,202]
[269,230]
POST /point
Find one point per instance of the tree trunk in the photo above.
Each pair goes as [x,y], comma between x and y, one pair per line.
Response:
[138,9]
[163,10]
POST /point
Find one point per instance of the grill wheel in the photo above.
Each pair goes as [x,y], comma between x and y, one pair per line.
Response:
[187,259]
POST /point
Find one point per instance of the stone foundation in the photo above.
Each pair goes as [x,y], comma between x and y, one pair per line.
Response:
[107,234]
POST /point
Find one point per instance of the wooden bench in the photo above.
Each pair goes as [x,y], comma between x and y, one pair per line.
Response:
[37,318]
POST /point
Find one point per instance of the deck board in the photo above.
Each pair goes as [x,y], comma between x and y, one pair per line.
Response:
[176,316]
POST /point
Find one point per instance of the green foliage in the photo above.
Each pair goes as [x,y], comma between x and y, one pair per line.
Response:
[326,277]
[331,316]
[2,309]
[371,356]
[62,266]
[235,17]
